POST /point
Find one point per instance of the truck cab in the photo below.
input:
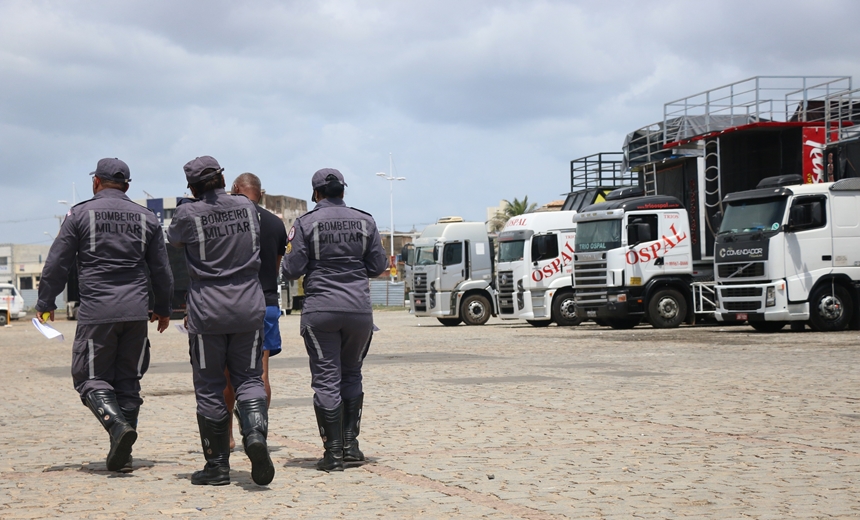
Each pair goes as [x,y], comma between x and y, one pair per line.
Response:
[788,252]
[11,303]
[633,260]
[452,273]
[533,270]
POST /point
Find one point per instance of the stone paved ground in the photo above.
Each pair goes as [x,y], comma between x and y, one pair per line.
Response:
[503,421]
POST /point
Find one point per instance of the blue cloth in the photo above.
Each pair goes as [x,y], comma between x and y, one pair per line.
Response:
[271,331]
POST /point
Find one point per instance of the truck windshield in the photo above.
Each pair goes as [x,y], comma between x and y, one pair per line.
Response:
[753,215]
[511,251]
[599,235]
[424,255]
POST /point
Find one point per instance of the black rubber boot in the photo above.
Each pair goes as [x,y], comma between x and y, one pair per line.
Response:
[351,429]
[122,436]
[330,423]
[254,424]
[130,415]
[215,438]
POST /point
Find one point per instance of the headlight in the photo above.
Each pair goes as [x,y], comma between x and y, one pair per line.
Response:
[617,297]
[770,299]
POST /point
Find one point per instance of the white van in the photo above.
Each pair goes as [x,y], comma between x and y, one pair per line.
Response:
[10,298]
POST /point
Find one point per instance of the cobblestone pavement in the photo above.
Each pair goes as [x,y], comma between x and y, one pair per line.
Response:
[504,421]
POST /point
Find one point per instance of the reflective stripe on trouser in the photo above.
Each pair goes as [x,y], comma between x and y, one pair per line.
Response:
[111,356]
[210,354]
[336,343]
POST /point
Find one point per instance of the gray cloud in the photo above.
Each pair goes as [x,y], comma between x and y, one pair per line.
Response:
[478,101]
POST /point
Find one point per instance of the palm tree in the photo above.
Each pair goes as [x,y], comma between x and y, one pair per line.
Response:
[511,209]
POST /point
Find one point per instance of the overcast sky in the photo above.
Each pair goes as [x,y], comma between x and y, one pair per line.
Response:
[477,100]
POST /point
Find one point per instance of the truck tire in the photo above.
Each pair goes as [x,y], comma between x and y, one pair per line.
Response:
[449,322]
[767,326]
[3,318]
[667,309]
[475,310]
[830,308]
[539,323]
[622,323]
[564,310]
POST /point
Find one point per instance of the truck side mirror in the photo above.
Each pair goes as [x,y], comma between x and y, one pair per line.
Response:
[799,217]
[637,232]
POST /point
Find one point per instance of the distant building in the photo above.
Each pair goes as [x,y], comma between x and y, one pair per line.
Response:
[555,205]
[21,264]
[286,208]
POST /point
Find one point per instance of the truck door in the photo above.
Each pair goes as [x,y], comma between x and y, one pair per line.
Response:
[808,243]
[546,263]
[676,247]
[453,266]
[644,260]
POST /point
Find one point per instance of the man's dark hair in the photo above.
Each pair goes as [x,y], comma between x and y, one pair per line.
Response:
[332,188]
[214,183]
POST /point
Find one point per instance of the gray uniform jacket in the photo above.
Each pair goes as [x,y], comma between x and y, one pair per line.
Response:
[336,248]
[221,237]
[114,241]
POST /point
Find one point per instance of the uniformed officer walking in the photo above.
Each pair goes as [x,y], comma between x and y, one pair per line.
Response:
[225,305]
[273,242]
[111,241]
[336,248]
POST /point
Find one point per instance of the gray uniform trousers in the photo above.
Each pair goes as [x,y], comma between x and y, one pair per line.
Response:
[241,353]
[111,356]
[337,343]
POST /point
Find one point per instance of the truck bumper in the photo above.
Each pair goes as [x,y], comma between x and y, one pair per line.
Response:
[528,305]
[750,303]
[630,306]
[436,305]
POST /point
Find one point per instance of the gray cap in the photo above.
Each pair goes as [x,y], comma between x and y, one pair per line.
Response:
[322,177]
[112,169]
[201,169]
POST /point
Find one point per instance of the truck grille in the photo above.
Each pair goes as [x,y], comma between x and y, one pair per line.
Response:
[589,279]
[419,283]
[742,306]
[740,292]
[741,270]
[506,292]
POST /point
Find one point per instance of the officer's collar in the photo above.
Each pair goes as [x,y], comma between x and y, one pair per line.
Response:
[214,194]
[325,203]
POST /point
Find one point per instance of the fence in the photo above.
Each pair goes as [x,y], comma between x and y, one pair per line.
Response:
[391,294]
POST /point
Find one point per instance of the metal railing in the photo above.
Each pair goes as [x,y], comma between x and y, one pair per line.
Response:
[759,99]
[600,169]
[842,116]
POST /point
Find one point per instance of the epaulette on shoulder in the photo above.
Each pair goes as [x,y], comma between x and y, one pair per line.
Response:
[360,211]
[311,211]
[82,202]
[185,200]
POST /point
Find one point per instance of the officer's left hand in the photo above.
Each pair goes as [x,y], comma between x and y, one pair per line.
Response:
[163,321]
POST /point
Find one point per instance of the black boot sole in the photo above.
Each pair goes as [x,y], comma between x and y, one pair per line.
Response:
[121,450]
[210,481]
[262,469]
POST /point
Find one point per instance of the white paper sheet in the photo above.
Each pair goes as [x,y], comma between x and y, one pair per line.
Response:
[181,328]
[47,330]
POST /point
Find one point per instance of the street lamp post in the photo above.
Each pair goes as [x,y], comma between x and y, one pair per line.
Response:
[389,177]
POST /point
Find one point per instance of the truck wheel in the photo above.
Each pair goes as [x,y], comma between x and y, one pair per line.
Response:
[623,323]
[564,310]
[767,326]
[449,322]
[475,310]
[667,309]
[539,323]
[3,318]
[830,308]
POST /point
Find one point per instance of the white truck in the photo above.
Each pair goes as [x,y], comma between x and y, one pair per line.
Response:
[788,252]
[452,273]
[533,272]
[634,259]
[11,303]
